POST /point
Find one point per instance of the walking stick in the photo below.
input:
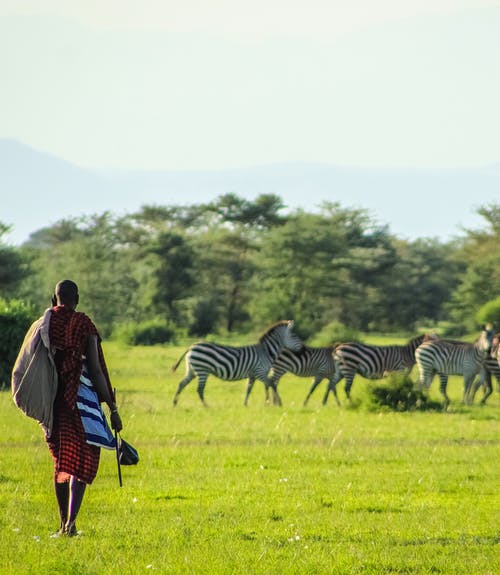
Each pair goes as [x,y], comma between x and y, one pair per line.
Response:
[117,447]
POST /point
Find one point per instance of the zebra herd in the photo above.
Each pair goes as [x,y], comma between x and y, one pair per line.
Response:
[280,350]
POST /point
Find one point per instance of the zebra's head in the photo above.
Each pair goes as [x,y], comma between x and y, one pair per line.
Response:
[283,336]
[495,347]
[485,341]
[292,340]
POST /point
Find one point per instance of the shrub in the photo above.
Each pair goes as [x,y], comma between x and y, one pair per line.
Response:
[334,332]
[399,393]
[15,320]
[146,333]
[440,328]
[490,313]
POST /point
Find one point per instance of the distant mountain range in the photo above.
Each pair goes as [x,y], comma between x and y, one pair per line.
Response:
[38,189]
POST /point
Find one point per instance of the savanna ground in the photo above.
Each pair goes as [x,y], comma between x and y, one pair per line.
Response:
[265,490]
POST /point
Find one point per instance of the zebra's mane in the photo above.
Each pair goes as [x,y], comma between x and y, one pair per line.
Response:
[272,328]
[422,338]
[454,342]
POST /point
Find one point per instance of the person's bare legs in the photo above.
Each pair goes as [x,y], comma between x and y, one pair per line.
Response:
[76,493]
[62,496]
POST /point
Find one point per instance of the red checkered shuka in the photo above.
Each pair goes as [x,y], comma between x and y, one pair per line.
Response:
[68,332]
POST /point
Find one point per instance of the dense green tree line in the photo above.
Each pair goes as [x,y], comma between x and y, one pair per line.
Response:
[236,265]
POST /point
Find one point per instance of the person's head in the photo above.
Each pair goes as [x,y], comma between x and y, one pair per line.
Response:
[66,293]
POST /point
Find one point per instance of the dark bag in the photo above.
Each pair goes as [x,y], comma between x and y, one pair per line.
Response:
[128,455]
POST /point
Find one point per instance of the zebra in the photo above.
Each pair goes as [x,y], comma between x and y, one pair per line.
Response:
[370,361]
[452,357]
[491,368]
[234,363]
[309,361]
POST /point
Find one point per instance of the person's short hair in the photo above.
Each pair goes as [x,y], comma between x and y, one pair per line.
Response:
[67,291]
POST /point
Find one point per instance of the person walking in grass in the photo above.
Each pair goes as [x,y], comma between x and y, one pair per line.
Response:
[76,341]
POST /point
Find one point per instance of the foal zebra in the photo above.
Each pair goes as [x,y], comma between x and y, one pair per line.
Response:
[452,357]
[309,361]
[370,361]
[233,363]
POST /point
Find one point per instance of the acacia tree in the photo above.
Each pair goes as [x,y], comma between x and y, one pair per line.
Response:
[88,251]
[221,236]
[231,263]
[416,287]
[224,269]
[480,281]
[226,244]
[311,268]
[174,274]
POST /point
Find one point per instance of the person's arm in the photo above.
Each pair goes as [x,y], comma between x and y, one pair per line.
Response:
[100,382]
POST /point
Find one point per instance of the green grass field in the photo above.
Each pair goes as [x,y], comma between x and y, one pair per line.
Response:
[265,490]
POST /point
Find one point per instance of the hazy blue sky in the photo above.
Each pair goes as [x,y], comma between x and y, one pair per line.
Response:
[215,84]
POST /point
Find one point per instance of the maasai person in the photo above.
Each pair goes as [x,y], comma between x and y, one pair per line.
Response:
[75,338]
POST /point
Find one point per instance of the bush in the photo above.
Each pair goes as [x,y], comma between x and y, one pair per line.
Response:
[15,320]
[441,328]
[490,313]
[334,332]
[145,333]
[399,393]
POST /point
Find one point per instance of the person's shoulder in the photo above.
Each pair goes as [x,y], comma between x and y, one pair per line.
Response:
[84,318]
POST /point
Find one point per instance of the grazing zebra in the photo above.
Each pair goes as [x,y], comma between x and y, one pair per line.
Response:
[452,357]
[370,361]
[491,368]
[309,361]
[233,363]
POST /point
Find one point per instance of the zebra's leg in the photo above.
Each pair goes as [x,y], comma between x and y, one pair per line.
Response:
[314,385]
[468,380]
[202,380]
[484,380]
[425,378]
[487,387]
[476,384]
[272,382]
[349,378]
[276,395]
[469,376]
[332,385]
[443,378]
[189,376]
[251,381]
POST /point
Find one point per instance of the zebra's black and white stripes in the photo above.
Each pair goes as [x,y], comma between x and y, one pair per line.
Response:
[452,357]
[234,363]
[314,362]
[485,381]
[491,369]
[370,361]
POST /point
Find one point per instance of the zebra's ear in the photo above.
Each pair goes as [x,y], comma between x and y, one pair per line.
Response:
[291,323]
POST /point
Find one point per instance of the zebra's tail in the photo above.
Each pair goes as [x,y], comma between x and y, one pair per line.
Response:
[178,361]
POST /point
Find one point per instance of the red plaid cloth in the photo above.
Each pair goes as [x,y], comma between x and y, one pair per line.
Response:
[68,332]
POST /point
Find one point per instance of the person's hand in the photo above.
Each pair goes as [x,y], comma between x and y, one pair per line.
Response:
[116,421]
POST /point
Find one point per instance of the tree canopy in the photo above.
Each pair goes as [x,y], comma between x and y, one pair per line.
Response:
[234,264]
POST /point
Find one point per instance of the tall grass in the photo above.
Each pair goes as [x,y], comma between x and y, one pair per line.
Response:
[228,489]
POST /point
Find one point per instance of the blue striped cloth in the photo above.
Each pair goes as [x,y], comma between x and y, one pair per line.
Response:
[93,419]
